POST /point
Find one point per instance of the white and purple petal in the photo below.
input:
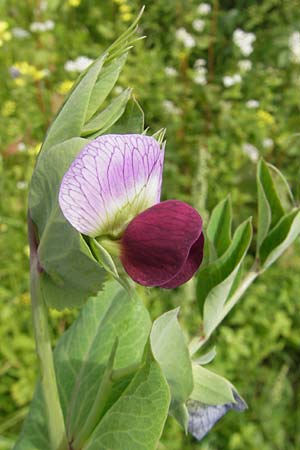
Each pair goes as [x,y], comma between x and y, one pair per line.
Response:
[114,178]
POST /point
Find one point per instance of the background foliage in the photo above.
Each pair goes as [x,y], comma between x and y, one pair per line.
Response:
[226,97]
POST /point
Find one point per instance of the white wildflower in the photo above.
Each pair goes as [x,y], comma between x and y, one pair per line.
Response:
[78,65]
[229,81]
[19,33]
[200,62]
[22,185]
[245,65]
[43,5]
[252,104]
[251,151]
[185,38]
[294,46]
[204,9]
[200,79]
[118,90]
[170,71]
[40,27]
[21,147]
[200,75]
[169,107]
[268,143]
[198,25]
[244,41]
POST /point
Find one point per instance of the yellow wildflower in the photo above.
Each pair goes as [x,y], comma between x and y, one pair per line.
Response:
[8,108]
[26,250]
[74,3]
[265,117]
[28,70]
[25,298]
[3,227]
[126,17]
[119,2]
[125,8]
[65,87]
[34,150]
[5,35]
[20,82]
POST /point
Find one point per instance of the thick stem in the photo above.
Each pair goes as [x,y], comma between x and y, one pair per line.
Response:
[55,420]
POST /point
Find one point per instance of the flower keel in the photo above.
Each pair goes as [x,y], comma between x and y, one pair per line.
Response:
[163,246]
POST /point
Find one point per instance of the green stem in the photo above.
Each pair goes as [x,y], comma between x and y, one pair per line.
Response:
[55,420]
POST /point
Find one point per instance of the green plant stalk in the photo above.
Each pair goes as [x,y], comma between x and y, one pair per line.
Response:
[54,415]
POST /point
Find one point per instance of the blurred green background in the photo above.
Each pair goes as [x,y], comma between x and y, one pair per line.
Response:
[224,78]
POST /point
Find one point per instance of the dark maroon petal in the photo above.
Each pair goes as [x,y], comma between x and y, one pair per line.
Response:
[190,267]
[158,244]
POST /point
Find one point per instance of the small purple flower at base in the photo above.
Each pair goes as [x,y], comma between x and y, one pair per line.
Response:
[163,246]
[112,190]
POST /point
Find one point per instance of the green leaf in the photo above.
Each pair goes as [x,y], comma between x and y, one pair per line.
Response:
[34,435]
[89,91]
[180,412]
[71,117]
[170,350]
[106,81]
[219,227]
[210,388]
[106,118]
[71,273]
[215,281]
[132,121]
[280,238]
[81,359]
[270,209]
[207,357]
[136,419]
[283,187]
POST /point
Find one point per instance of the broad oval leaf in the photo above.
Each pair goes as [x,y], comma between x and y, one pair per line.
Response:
[170,350]
[210,388]
[81,358]
[71,273]
[135,421]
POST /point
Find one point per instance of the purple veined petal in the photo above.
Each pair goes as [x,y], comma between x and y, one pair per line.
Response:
[163,246]
[113,179]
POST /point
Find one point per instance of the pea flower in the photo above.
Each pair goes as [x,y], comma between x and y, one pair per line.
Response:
[112,191]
